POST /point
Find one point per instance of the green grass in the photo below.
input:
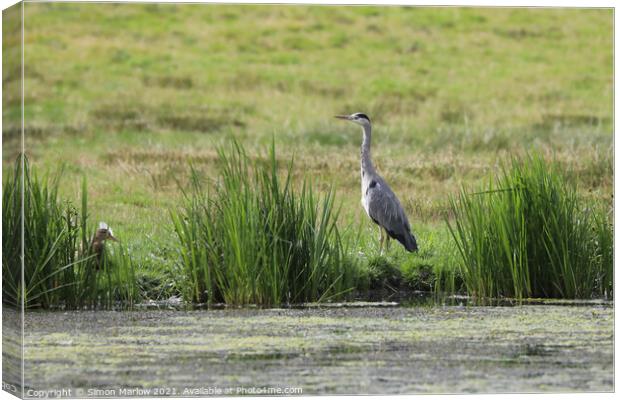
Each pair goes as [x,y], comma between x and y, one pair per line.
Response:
[255,239]
[529,234]
[128,94]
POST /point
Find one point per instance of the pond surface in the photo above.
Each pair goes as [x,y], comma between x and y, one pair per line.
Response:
[334,350]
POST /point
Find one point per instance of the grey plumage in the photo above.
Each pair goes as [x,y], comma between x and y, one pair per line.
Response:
[378,199]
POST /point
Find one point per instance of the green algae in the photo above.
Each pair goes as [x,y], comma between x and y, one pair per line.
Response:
[328,350]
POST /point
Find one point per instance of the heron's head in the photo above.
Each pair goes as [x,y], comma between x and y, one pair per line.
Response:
[104,233]
[358,118]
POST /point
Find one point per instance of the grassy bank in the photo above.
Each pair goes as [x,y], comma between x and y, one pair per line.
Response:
[253,236]
[128,94]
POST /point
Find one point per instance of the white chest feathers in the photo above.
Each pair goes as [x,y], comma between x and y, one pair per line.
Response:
[368,185]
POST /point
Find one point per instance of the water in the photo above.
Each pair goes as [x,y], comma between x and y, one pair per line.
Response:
[339,349]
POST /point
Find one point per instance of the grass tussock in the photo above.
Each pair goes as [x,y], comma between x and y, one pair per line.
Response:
[530,234]
[60,268]
[255,239]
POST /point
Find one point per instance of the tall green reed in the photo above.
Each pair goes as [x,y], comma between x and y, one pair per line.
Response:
[529,234]
[59,266]
[255,239]
[12,235]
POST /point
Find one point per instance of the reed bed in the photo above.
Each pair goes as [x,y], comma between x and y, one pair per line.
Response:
[530,234]
[253,238]
[59,266]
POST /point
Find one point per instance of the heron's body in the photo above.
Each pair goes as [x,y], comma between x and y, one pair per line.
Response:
[378,199]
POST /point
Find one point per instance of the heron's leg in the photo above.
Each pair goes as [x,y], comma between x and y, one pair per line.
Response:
[387,241]
[380,240]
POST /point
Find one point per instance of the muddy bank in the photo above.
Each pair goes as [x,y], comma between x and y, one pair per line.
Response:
[335,350]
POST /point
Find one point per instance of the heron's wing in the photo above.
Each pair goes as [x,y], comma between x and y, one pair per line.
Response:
[385,209]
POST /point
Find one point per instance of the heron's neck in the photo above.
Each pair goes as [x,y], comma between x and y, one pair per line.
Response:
[366,160]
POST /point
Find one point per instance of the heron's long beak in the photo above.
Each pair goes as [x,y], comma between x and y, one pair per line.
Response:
[113,238]
[342,116]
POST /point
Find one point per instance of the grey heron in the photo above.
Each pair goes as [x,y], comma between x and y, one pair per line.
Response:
[378,199]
